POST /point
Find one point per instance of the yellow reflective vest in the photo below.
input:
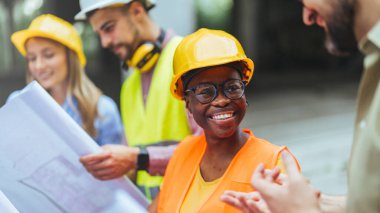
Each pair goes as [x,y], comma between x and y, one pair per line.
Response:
[163,117]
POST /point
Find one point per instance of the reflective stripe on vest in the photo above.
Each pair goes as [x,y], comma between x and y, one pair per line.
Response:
[149,185]
[164,117]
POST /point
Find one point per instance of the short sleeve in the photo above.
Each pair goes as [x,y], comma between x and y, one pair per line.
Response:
[108,124]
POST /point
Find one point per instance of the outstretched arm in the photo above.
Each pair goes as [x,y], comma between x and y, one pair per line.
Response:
[118,160]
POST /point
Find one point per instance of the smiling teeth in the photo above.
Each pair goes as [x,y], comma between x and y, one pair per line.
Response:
[222,116]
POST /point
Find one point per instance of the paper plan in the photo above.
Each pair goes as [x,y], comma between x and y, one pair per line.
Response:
[40,146]
[5,205]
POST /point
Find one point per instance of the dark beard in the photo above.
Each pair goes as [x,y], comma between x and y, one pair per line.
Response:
[340,38]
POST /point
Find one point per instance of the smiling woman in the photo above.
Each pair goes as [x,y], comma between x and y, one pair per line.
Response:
[46,61]
[54,54]
[210,74]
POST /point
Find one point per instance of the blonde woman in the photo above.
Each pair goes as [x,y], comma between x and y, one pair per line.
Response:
[55,58]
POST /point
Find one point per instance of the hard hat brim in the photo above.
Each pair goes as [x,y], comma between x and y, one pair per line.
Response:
[21,37]
[176,86]
[82,14]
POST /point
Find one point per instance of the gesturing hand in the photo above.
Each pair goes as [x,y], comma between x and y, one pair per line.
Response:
[251,202]
[294,195]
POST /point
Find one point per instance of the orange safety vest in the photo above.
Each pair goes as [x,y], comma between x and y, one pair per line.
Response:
[186,159]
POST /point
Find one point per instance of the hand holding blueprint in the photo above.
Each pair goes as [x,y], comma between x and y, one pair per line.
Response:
[40,146]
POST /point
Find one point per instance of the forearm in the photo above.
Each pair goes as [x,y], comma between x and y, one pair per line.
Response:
[159,157]
[332,204]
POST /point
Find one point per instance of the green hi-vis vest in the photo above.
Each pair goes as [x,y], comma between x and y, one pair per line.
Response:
[163,117]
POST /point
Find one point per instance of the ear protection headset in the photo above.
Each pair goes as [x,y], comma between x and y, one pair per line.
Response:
[146,54]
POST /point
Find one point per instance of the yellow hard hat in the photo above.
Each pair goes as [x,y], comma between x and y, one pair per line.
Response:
[54,28]
[207,48]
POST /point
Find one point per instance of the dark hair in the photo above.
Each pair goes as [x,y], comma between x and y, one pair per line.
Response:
[90,13]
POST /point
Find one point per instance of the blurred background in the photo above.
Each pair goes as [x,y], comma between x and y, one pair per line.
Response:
[300,96]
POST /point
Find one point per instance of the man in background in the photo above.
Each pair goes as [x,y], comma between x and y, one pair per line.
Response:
[153,120]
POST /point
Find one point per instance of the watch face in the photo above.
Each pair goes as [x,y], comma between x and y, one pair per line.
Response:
[143,159]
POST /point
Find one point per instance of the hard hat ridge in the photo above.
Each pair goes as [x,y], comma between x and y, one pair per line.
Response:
[90,5]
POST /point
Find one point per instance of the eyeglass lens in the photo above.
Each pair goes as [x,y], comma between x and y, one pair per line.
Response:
[207,92]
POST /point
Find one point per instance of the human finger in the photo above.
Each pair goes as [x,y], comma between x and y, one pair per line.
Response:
[248,205]
[290,165]
[94,158]
[259,172]
[275,175]
[257,205]
[255,196]
[232,200]
[106,177]
[103,165]
[282,179]
[103,173]
[275,172]
[231,193]
[259,182]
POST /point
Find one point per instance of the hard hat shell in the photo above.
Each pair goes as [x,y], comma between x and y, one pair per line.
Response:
[207,48]
[90,5]
[54,28]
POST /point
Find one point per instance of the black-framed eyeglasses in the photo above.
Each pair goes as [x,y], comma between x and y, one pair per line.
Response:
[207,92]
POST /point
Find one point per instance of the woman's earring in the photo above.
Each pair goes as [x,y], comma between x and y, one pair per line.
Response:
[246,101]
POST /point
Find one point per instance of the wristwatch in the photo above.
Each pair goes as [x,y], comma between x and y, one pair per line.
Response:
[143,159]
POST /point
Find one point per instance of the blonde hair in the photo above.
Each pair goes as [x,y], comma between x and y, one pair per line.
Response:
[82,88]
